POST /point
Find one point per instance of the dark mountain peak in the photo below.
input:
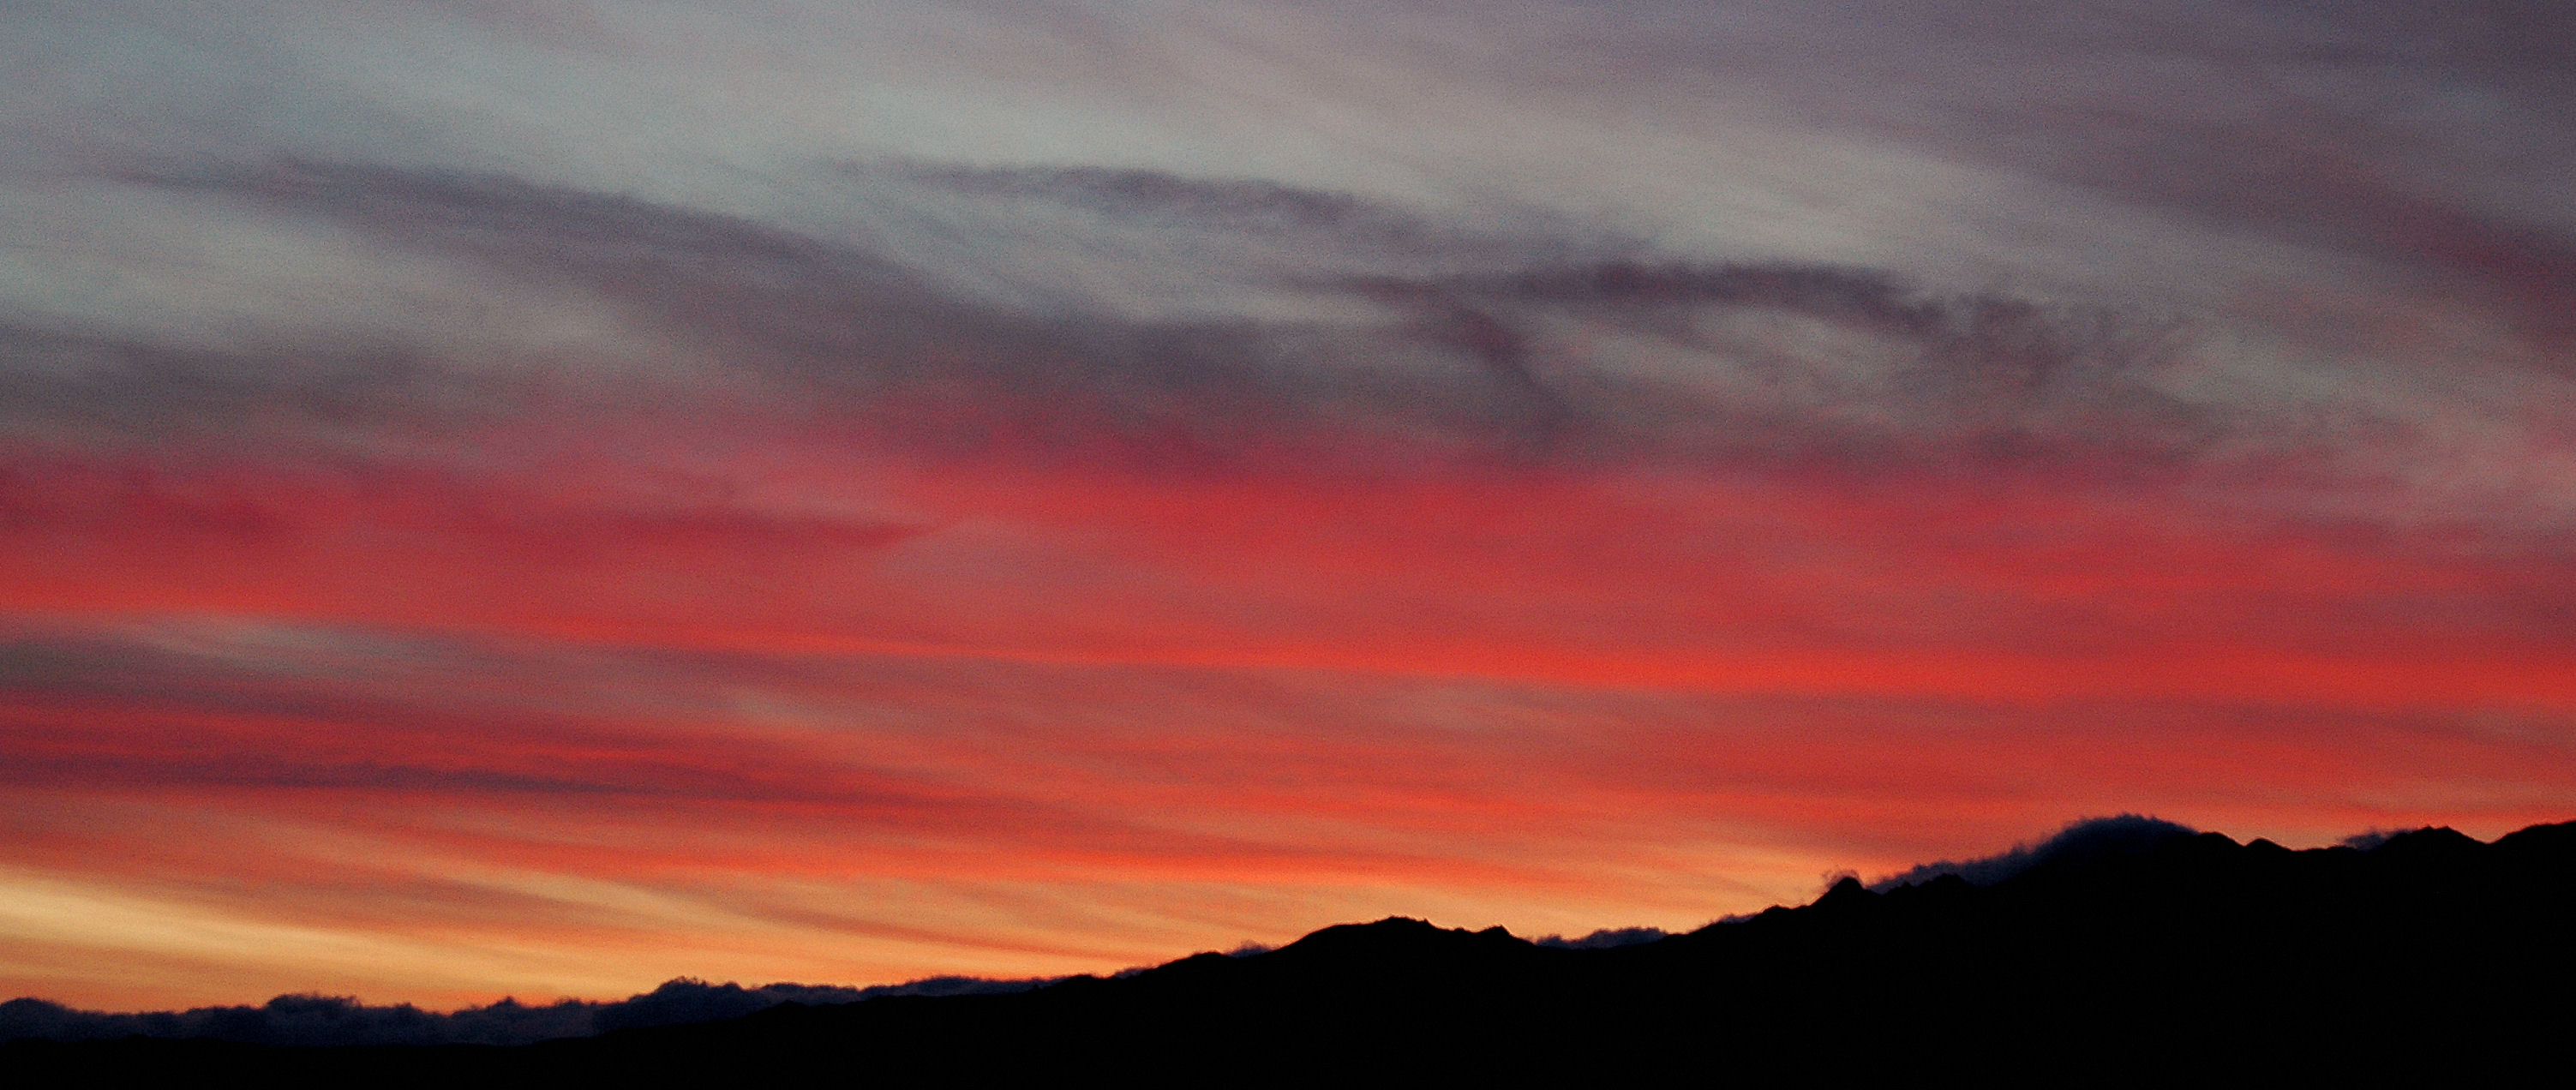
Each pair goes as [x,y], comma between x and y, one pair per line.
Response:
[2081,844]
[1846,895]
[2541,841]
[2113,842]
[2437,843]
[1390,929]
[1394,936]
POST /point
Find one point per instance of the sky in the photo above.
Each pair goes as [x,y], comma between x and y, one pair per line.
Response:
[539,497]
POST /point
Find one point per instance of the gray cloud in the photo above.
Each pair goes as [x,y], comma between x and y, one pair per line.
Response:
[79,385]
[1100,288]
[1982,374]
[1480,351]
[2272,300]
[1463,353]
[1240,203]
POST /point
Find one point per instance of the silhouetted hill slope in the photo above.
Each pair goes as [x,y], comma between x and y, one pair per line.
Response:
[2162,958]
[320,1020]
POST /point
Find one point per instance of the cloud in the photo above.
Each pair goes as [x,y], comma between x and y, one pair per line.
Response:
[1822,361]
[1492,347]
[1243,204]
[1604,938]
[75,385]
[1747,360]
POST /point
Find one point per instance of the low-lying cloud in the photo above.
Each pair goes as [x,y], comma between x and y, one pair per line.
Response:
[1604,939]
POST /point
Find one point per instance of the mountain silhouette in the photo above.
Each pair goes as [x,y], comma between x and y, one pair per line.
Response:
[2157,955]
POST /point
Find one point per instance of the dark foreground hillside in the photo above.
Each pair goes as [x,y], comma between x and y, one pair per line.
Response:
[2165,958]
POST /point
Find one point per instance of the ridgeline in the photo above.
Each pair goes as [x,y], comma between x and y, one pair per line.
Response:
[2156,955]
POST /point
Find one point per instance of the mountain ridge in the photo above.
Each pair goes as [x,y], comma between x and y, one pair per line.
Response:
[2189,955]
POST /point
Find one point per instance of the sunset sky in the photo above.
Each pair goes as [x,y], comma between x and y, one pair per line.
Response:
[538,497]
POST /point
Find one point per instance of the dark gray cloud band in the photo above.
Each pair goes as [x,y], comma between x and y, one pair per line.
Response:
[1490,361]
